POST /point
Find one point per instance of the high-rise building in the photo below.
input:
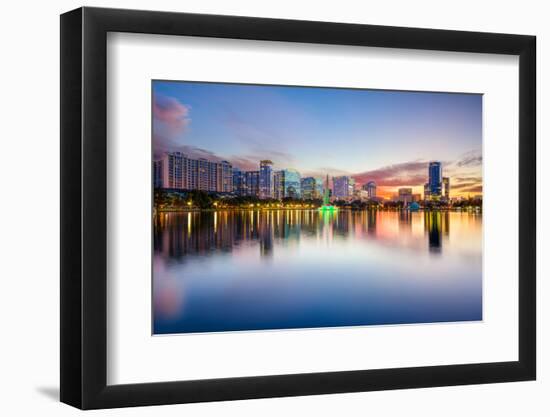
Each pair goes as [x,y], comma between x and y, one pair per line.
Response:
[427,191]
[266,179]
[319,187]
[326,193]
[370,188]
[239,186]
[252,183]
[312,188]
[435,178]
[343,187]
[192,174]
[203,175]
[224,177]
[405,195]
[176,170]
[351,187]
[157,173]
[446,188]
[291,183]
[278,191]
[169,170]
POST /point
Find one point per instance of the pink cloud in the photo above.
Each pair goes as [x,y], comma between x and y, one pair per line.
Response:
[245,163]
[173,114]
[407,173]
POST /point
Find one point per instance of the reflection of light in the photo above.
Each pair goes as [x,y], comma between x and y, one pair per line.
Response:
[188,222]
[168,292]
[328,208]
[215,221]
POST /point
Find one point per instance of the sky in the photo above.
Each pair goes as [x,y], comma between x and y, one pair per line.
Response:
[385,136]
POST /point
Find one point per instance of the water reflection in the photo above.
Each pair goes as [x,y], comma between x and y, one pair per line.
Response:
[436,225]
[177,235]
[388,257]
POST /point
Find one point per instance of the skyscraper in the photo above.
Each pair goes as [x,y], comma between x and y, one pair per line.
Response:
[176,170]
[343,187]
[239,186]
[434,178]
[266,179]
[157,173]
[326,193]
[278,191]
[252,183]
[291,183]
[351,187]
[371,189]
[405,195]
[446,188]
[312,188]
[427,191]
[169,170]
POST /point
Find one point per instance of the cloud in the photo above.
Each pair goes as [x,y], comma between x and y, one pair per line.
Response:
[464,185]
[172,114]
[170,122]
[473,189]
[467,179]
[470,159]
[196,153]
[406,173]
[245,164]
[193,152]
[323,171]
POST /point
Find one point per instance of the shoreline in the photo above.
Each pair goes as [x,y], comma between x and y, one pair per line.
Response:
[186,210]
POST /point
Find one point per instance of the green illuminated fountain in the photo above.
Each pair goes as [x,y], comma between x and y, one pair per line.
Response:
[326,200]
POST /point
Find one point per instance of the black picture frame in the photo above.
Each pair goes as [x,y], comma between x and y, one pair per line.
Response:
[84,207]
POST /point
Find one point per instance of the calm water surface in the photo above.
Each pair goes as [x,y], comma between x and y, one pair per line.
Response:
[251,270]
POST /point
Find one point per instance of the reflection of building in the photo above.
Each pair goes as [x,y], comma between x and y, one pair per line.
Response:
[266,179]
[371,221]
[290,183]
[343,187]
[436,224]
[405,221]
[176,170]
[312,188]
[204,233]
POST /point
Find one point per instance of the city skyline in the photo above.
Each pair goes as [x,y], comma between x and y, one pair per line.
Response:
[388,137]
[177,171]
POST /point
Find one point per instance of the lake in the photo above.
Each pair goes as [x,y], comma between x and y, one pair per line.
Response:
[231,270]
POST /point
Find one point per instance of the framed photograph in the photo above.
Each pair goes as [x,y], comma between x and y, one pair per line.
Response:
[257,208]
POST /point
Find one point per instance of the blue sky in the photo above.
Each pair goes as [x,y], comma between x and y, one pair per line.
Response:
[389,135]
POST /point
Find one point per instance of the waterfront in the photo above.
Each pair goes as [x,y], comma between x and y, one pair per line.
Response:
[233,270]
